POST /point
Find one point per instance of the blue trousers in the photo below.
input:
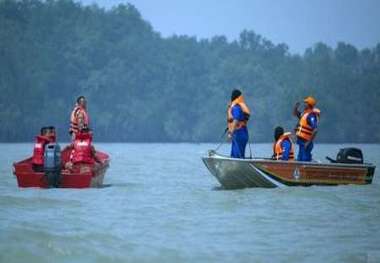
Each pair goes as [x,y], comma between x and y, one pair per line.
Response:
[239,142]
[304,152]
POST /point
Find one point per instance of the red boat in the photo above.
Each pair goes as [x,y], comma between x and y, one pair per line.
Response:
[76,176]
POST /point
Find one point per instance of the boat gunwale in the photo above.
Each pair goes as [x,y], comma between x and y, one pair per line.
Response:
[309,164]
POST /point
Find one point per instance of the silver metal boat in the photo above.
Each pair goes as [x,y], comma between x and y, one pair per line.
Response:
[260,172]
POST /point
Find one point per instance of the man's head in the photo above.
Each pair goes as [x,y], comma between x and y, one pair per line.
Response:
[310,102]
[48,131]
[81,101]
[278,131]
[235,94]
[51,130]
[44,131]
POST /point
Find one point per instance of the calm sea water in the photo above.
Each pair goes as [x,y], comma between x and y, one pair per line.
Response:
[162,205]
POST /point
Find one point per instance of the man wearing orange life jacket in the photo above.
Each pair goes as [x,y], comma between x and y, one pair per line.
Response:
[79,118]
[283,148]
[83,150]
[306,129]
[237,118]
[47,135]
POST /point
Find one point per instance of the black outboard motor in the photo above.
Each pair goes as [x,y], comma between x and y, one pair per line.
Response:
[52,164]
[348,155]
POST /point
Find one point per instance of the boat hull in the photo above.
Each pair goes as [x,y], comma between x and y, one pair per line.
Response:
[78,176]
[242,173]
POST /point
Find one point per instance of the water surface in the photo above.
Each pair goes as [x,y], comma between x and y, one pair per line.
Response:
[162,205]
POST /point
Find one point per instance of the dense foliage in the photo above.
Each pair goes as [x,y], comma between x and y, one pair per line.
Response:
[143,87]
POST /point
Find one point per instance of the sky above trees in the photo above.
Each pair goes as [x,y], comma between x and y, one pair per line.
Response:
[298,23]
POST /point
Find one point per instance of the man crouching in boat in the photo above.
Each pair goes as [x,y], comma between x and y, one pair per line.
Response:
[83,151]
[283,148]
[306,129]
[237,118]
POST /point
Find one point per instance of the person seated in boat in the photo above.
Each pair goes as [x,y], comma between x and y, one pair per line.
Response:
[79,118]
[47,135]
[50,132]
[307,128]
[83,151]
[283,148]
[238,115]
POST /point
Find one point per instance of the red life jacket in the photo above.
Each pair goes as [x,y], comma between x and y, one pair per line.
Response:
[39,149]
[82,151]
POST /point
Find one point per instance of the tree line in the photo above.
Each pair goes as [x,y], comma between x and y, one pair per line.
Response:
[142,87]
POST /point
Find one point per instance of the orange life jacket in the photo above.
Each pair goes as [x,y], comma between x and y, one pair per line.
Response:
[74,122]
[238,101]
[303,129]
[278,150]
[39,149]
[82,151]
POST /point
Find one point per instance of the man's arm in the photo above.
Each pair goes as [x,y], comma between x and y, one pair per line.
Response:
[312,120]
[296,112]
[232,129]
[236,115]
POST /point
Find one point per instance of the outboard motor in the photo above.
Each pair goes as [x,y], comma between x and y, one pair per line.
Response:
[348,155]
[52,164]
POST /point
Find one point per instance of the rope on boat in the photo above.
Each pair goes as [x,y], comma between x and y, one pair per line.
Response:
[222,140]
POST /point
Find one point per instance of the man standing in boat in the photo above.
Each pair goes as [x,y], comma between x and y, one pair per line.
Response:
[237,117]
[283,148]
[306,129]
[79,118]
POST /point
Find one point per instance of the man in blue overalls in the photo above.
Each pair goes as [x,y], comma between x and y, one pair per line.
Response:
[237,117]
[306,129]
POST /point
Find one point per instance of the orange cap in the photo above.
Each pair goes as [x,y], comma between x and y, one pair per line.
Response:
[310,101]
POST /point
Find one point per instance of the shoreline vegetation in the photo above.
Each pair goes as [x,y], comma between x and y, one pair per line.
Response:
[142,87]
